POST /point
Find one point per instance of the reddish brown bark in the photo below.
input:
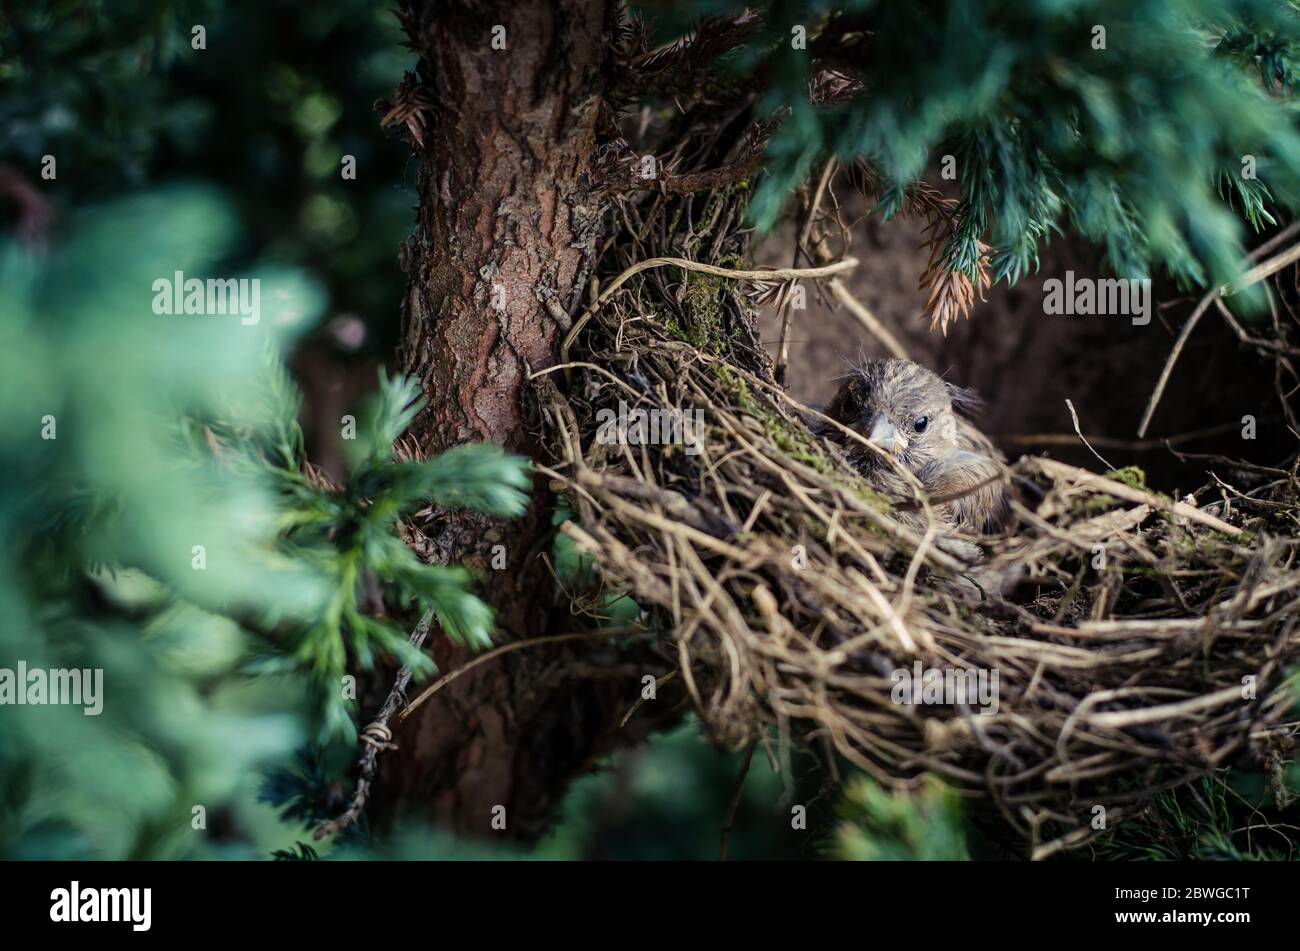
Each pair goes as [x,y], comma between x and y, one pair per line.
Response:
[505,207]
[504,204]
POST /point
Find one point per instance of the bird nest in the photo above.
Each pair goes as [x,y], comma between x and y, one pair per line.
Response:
[1142,641]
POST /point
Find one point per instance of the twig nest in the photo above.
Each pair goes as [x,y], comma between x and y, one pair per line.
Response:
[1142,641]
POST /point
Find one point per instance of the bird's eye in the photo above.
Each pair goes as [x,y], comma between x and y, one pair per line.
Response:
[920,423]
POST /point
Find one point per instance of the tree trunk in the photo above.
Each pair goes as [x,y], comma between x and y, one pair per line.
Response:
[504,224]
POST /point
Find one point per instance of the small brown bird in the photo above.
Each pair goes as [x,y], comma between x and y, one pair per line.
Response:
[909,412]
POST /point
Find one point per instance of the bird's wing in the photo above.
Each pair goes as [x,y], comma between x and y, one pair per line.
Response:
[970,439]
[982,505]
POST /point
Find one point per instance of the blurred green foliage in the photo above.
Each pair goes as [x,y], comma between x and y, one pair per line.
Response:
[159,527]
[670,799]
[283,90]
[896,825]
[118,488]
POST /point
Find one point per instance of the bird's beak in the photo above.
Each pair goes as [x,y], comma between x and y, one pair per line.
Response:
[885,434]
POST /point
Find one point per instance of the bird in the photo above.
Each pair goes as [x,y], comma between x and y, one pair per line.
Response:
[914,416]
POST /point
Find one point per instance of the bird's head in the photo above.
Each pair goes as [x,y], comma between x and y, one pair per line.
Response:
[902,408]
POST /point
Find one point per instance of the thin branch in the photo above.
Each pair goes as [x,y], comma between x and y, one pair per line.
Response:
[869,321]
[377,737]
[1075,416]
[1108,442]
[1253,276]
[734,805]
[783,350]
[1118,489]
[839,267]
[497,652]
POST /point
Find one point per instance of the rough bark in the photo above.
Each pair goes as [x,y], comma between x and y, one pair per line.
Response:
[504,208]
[505,222]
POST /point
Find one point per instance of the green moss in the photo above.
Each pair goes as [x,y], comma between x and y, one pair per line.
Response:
[1131,476]
[1135,478]
[715,211]
[1090,505]
[675,220]
[1205,542]
[1232,542]
[795,444]
[1141,571]
[702,303]
[703,307]
[737,388]
[793,440]
[973,619]
[872,497]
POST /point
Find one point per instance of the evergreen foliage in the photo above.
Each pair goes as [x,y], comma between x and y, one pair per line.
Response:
[121,455]
[1138,146]
[878,824]
[1232,816]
